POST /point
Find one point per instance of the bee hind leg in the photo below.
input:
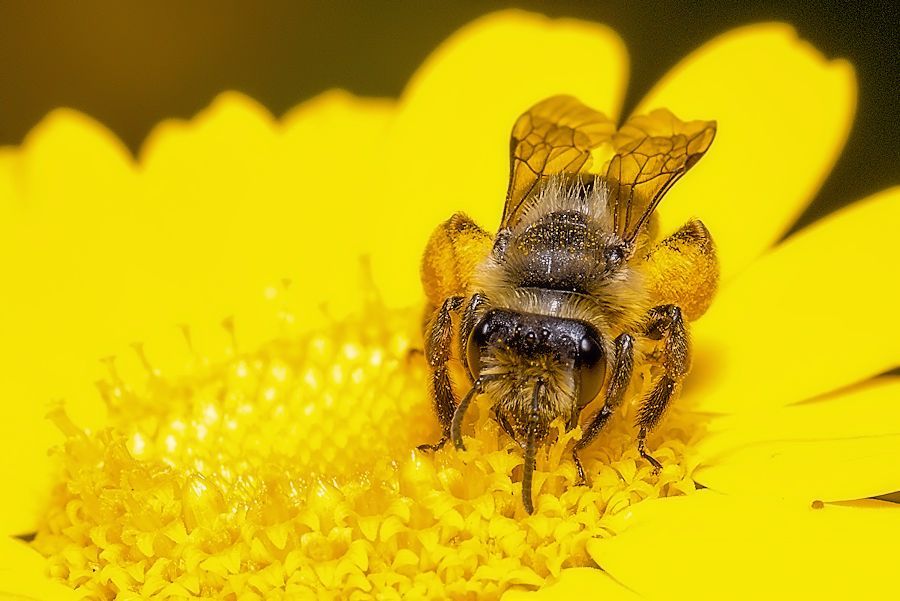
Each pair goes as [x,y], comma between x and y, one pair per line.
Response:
[438,339]
[623,363]
[665,322]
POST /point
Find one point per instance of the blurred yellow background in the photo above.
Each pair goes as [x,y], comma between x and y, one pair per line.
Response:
[131,64]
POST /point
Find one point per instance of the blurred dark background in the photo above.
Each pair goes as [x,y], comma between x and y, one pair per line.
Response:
[130,64]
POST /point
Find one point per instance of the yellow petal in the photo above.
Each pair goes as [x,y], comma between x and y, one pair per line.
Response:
[109,254]
[576,583]
[248,202]
[812,316]
[9,165]
[55,248]
[844,446]
[330,142]
[707,546]
[23,575]
[784,113]
[449,149]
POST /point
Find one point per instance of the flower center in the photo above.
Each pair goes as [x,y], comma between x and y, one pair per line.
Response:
[292,468]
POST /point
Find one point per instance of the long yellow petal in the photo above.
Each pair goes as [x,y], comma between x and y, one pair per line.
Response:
[844,446]
[449,150]
[812,316]
[784,113]
[55,249]
[107,253]
[23,575]
[248,201]
[708,546]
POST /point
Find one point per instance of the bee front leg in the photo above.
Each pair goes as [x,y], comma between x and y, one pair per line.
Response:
[473,311]
[623,363]
[438,340]
[665,322]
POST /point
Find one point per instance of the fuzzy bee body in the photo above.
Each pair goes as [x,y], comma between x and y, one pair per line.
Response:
[544,315]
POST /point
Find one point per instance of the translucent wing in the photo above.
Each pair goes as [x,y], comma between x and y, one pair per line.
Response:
[554,136]
[651,153]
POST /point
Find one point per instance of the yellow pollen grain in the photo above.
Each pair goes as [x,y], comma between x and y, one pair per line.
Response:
[204,487]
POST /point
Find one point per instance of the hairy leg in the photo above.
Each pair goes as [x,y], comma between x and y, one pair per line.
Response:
[473,311]
[438,340]
[683,270]
[623,363]
[665,323]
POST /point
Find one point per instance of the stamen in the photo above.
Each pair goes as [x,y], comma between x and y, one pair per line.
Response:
[141,352]
[261,475]
[228,325]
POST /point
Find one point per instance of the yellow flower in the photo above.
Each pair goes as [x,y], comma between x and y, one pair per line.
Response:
[270,455]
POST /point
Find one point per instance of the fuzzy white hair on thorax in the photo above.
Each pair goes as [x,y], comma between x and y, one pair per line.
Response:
[616,299]
[562,192]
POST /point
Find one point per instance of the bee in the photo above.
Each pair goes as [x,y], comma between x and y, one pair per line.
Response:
[553,310]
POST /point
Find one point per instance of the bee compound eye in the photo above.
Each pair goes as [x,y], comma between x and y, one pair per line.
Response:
[482,332]
[473,360]
[478,339]
[589,351]
[591,367]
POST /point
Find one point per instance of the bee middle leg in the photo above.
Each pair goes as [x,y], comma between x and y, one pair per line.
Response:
[473,311]
[438,340]
[665,322]
[623,364]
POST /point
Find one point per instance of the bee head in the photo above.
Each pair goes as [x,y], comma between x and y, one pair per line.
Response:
[534,339]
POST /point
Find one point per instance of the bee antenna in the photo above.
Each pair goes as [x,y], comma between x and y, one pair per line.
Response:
[530,446]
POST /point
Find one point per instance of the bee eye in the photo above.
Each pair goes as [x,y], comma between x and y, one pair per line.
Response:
[591,366]
[479,339]
[589,351]
[473,360]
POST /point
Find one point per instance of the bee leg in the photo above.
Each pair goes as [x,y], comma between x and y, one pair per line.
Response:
[665,322]
[470,316]
[459,414]
[436,446]
[642,435]
[623,363]
[438,339]
[683,270]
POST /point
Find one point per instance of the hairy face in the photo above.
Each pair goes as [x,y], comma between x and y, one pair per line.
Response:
[514,379]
